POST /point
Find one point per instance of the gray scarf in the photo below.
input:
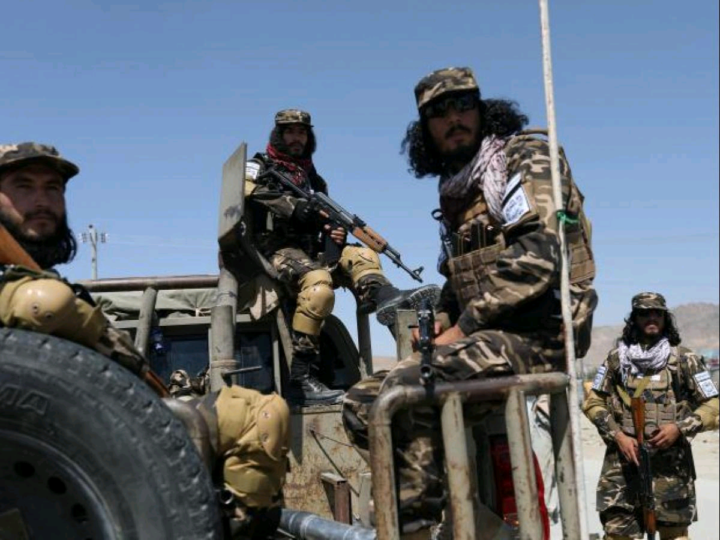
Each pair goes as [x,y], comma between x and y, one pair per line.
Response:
[634,359]
[487,171]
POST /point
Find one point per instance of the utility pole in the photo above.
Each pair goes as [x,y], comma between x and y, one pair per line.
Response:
[93,237]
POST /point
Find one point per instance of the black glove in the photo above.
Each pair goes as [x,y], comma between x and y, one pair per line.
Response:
[305,212]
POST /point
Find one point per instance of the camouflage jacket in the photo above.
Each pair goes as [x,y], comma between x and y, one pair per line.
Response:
[512,282]
[272,207]
[683,388]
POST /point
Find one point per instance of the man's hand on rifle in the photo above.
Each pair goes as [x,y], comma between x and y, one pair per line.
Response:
[451,335]
[338,235]
[665,436]
[628,447]
[416,334]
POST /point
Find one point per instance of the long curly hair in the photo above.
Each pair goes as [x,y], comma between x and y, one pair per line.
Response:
[498,117]
[632,333]
[276,139]
[59,248]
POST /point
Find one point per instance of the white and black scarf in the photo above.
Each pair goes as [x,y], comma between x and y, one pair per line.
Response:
[634,359]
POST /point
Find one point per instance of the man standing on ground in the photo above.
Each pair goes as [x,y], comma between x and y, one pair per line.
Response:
[499,311]
[290,234]
[680,401]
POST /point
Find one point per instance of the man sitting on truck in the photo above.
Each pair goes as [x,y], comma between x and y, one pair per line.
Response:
[252,429]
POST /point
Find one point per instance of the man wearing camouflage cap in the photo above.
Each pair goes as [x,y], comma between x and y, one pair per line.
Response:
[252,430]
[499,311]
[680,401]
[288,231]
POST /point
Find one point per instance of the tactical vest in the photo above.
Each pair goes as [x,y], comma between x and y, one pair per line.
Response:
[478,240]
[661,401]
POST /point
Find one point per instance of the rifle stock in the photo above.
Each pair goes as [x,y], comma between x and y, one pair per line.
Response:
[647,499]
[340,217]
[12,253]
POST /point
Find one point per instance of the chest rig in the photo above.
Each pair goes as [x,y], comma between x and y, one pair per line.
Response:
[473,239]
[659,390]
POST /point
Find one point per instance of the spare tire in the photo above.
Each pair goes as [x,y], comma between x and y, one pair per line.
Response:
[89,452]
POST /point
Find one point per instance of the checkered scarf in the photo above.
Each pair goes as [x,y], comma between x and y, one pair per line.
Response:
[487,172]
[634,359]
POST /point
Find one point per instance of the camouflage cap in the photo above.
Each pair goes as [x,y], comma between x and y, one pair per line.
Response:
[15,155]
[444,80]
[649,300]
[293,116]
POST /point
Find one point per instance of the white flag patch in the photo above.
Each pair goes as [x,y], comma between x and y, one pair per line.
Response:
[515,202]
[251,170]
[705,384]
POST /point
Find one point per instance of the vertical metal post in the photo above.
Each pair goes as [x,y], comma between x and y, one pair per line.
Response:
[523,470]
[403,334]
[564,270]
[223,345]
[564,466]
[364,344]
[458,466]
[145,319]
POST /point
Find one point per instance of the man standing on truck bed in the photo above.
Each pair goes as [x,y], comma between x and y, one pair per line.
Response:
[680,400]
[252,430]
[499,311]
[288,231]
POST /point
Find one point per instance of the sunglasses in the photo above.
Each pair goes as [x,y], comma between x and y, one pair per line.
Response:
[460,103]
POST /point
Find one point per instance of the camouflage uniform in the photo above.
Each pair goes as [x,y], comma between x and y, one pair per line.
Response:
[250,431]
[681,393]
[502,293]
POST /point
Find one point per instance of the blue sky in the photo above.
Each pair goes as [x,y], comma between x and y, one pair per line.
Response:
[150,99]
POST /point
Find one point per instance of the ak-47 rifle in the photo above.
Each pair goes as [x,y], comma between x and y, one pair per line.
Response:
[647,499]
[340,217]
[13,253]
[426,343]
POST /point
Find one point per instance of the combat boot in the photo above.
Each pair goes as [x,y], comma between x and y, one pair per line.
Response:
[305,389]
[389,300]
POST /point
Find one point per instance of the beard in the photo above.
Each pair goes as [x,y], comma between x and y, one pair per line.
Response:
[59,247]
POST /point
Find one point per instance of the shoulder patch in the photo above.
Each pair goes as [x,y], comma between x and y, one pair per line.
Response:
[705,384]
[252,169]
[515,201]
[599,378]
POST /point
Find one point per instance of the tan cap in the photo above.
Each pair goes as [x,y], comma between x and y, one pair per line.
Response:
[442,81]
[15,155]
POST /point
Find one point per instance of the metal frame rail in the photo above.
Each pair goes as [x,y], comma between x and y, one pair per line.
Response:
[451,397]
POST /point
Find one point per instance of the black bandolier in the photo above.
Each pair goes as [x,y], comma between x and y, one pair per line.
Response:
[291,235]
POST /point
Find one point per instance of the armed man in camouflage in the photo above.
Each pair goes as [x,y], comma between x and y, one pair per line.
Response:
[288,231]
[251,430]
[499,312]
[681,401]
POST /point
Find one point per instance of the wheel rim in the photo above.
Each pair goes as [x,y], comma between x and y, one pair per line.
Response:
[43,490]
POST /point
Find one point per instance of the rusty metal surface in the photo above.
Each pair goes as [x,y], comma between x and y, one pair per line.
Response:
[158,283]
[387,403]
[319,445]
[458,469]
[145,319]
[565,471]
[523,469]
[338,492]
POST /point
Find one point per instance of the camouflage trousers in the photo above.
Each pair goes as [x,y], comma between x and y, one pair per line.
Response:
[416,432]
[624,524]
[358,270]
[673,487]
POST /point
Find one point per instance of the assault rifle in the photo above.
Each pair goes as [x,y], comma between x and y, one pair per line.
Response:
[340,217]
[647,499]
[426,345]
